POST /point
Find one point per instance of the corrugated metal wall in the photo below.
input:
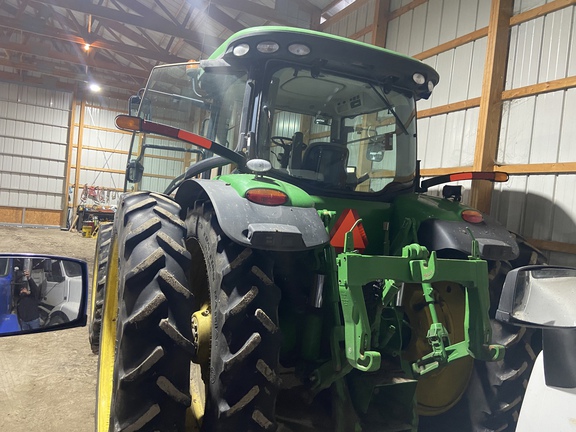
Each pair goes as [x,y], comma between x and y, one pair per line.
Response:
[445,140]
[103,149]
[33,151]
[540,128]
[354,22]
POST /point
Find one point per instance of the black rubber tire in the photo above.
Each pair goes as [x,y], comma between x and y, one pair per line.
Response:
[494,396]
[98,283]
[245,339]
[151,377]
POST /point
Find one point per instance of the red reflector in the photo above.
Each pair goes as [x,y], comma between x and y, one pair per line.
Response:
[269,197]
[344,224]
[472,216]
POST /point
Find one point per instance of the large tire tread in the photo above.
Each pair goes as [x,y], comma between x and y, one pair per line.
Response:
[154,348]
[244,303]
[101,262]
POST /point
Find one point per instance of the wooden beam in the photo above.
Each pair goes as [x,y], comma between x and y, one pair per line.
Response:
[448,108]
[67,173]
[540,11]
[76,165]
[490,115]
[540,88]
[407,8]
[346,11]
[553,246]
[462,40]
[538,168]
[380,26]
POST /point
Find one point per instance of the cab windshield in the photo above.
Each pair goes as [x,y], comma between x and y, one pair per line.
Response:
[185,97]
[337,132]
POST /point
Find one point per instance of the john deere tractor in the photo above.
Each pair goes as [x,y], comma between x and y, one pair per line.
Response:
[278,264]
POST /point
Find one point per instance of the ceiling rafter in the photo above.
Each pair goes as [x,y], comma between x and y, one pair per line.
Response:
[49,69]
[40,50]
[128,37]
[35,26]
[251,8]
[157,23]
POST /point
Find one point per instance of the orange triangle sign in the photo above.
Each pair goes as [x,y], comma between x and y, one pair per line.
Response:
[344,224]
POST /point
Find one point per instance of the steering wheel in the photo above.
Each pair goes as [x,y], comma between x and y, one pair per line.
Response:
[281,141]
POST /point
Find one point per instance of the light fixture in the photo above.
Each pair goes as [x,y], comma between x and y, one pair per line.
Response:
[94,87]
[86,46]
[299,49]
[240,50]
[419,78]
[267,47]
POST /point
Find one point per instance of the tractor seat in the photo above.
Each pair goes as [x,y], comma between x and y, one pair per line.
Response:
[328,159]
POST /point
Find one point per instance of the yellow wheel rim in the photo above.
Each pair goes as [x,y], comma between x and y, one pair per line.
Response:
[440,390]
[202,329]
[94,285]
[107,344]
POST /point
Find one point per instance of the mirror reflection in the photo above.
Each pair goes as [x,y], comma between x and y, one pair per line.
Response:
[545,296]
[38,292]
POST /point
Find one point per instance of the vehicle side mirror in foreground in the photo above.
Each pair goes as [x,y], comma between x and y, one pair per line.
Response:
[545,297]
[41,293]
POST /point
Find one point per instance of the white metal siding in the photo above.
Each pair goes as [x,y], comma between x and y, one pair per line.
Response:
[541,207]
[33,146]
[104,148]
[354,22]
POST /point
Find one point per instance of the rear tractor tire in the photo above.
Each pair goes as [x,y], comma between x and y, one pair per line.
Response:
[235,328]
[98,284]
[495,392]
[146,348]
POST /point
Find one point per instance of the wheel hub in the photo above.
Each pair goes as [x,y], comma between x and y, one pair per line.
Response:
[440,390]
[201,329]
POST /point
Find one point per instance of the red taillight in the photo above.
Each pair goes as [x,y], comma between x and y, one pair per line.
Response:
[472,216]
[269,197]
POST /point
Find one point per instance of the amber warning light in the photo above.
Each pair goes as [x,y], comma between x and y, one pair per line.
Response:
[495,176]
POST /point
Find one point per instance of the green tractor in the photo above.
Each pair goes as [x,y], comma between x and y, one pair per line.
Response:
[278,265]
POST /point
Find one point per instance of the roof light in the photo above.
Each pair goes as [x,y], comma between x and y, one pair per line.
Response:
[472,216]
[419,78]
[258,165]
[240,50]
[267,47]
[299,49]
[94,87]
[270,197]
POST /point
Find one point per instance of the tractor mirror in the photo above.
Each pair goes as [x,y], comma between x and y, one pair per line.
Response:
[134,171]
[375,152]
[133,105]
[323,120]
[41,293]
[539,296]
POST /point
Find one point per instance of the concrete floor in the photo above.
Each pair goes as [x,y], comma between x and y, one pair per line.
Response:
[47,381]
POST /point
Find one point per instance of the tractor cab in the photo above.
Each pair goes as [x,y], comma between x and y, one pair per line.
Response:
[331,120]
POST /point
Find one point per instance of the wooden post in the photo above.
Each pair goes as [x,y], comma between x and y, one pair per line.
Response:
[490,115]
[68,167]
[79,149]
[380,27]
